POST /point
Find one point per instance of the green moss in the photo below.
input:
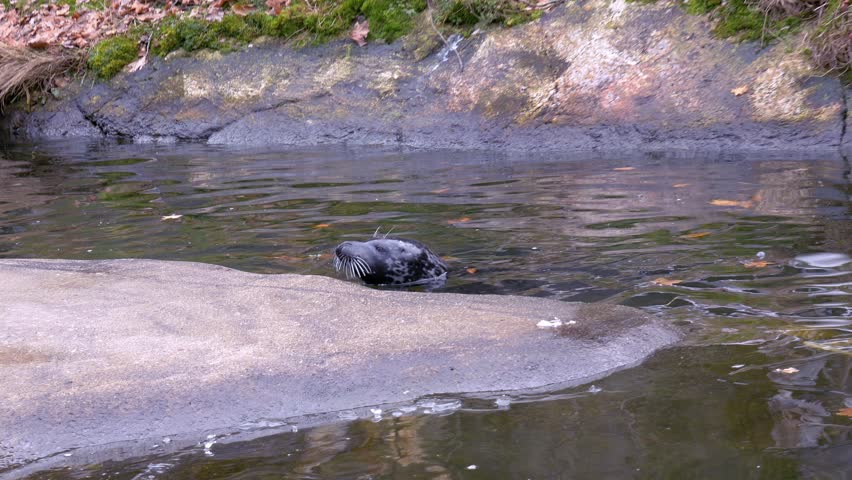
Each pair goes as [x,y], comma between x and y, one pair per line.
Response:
[740,19]
[318,22]
[737,19]
[700,7]
[468,13]
[109,56]
[391,19]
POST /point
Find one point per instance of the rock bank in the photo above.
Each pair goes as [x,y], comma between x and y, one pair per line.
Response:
[98,352]
[593,74]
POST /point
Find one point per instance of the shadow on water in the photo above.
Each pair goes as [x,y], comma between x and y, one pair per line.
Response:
[750,255]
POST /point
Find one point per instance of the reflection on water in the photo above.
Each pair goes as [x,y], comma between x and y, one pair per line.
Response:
[749,255]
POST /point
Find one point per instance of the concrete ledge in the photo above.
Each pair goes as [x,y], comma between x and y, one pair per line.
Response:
[95,352]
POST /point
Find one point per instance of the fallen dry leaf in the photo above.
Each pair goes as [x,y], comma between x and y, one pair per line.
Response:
[732,203]
[137,64]
[624,169]
[846,412]
[667,282]
[275,6]
[696,235]
[740,90]
[360,31]
[470,270]
[242,10]
[458,220]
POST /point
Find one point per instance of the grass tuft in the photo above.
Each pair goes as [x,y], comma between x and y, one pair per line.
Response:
[24,71]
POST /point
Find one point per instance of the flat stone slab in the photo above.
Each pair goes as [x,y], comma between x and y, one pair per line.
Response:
[97,352]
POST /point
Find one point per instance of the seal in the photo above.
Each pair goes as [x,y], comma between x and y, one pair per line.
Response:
[390,261]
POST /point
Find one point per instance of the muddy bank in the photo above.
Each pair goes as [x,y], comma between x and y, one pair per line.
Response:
[97,352]
[589,75]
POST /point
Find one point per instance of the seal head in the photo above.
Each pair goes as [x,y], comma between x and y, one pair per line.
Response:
[390,261]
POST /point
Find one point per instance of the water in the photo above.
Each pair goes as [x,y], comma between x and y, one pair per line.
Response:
[749,255]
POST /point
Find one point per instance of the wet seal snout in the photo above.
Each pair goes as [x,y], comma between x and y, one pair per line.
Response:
[390,261]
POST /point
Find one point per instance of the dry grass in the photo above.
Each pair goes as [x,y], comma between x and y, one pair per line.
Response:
[831,44]
[25,72]
[787,8]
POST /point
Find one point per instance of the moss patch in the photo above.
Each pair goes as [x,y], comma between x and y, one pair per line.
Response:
[306,23]
[468,13]
[111,55]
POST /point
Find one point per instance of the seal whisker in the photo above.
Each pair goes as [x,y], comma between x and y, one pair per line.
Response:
[376,233]
[364,266]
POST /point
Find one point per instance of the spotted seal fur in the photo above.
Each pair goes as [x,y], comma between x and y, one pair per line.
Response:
[390,261]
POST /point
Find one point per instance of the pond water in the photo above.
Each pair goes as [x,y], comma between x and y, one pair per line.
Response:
[748,254]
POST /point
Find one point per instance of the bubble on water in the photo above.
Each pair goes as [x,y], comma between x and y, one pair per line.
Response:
[152,470]
[595,389]
[760,255]
[503,402]
[377,414]
[208,445]
[471,467]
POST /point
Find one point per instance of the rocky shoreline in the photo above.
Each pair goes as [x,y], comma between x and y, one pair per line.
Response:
[590,75]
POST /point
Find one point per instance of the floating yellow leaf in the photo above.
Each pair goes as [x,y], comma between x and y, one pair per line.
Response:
[741,90]
[458,220]
[846,412]
[696,235]
[624,169]
[732,203]
[470,270]
[756,263]
[322,225]
[681,185]
[667,282]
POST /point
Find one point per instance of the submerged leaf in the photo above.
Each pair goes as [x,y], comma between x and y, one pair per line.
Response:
[756,264]
[732,203]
